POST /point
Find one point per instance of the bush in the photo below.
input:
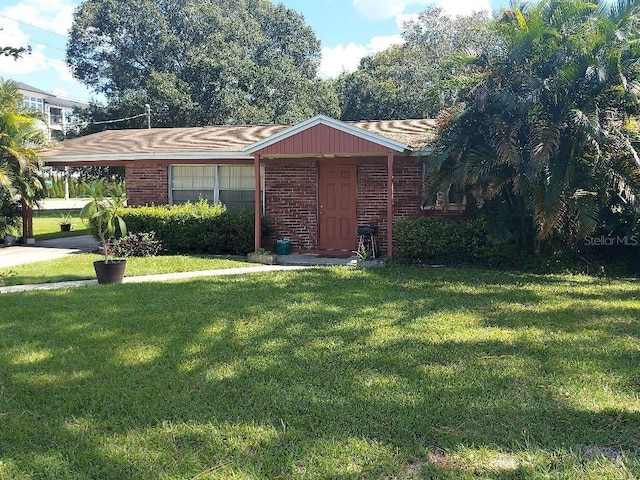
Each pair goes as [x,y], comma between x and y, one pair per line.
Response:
[195,227]
[10,215]
[445,241]
[136,245]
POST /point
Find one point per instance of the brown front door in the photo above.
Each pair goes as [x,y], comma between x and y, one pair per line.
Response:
[338,184]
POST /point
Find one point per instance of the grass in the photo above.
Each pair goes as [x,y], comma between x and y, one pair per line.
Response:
[324,374]
[80,267]
[46,224]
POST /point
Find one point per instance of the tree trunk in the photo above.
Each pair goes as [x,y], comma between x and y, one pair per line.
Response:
[27,220]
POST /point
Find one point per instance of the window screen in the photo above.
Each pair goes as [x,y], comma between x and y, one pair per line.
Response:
[232,185]
[190,182]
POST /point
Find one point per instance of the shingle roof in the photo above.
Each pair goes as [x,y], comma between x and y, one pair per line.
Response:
[414,133]
[217,139]
[166,140]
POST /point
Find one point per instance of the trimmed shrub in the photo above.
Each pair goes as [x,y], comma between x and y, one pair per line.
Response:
[195,227]
[446,241]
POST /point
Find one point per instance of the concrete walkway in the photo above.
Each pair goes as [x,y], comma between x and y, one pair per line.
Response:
[165,277]
[51,249]
[46,250]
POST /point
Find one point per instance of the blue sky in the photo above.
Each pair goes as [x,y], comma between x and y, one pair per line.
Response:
[348,30]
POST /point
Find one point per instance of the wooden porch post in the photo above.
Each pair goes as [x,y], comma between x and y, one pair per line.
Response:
[258,202]
[390,205]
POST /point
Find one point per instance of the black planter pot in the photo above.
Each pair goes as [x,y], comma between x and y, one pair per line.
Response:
[111,271]
[65,227]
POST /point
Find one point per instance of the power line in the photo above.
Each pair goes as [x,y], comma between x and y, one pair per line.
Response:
[33,26]
[43,29]
[146,114]
[120,119]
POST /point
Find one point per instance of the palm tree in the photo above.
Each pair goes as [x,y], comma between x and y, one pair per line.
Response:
[20,143]
[550,129]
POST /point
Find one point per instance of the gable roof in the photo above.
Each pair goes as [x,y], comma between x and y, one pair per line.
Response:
[227,142]
[350,129]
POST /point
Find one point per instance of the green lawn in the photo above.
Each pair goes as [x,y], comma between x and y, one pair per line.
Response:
[46,224]
[80,267]
[324,374]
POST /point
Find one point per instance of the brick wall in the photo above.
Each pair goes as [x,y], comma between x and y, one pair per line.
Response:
[372,198]
[291,195]
[147,183]
[290,204]
[407,188]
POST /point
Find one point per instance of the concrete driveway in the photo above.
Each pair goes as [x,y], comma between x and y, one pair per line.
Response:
[46,250]
[62,204]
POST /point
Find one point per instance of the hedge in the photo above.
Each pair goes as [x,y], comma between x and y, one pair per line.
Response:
[195,227]
[446,241]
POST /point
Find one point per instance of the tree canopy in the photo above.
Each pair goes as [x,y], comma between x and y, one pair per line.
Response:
[419,78]
[199,62]
[550,130]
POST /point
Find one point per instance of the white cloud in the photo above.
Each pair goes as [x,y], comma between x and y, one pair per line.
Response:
[341,59]
[26,64]
[462,8]
[60,92]
[347,58]
[52,15]
[384,9]
[45,67]
[382,42]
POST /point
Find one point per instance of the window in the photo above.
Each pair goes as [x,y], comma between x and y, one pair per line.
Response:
[33,102]
[232,185]
[452,199]
[56,115]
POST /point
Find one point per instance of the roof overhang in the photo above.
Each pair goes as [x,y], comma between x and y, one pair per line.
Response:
[330,122]
[65,159]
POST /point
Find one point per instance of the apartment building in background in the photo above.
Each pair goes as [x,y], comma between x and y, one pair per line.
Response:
[58,112]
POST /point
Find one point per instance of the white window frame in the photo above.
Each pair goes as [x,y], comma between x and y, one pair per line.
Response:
[216,180]
[29,101]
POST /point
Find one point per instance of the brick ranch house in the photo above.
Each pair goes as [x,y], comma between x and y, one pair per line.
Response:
[315,182]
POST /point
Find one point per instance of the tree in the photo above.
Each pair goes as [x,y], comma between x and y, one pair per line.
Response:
[20,143]
[15,52]
[548,133]
[199,62]
[419,78]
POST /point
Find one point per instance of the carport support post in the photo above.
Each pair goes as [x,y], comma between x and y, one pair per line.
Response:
[390,205]
[258,206]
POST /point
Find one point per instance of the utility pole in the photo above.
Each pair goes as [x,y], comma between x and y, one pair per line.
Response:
[66,182]
[148,109]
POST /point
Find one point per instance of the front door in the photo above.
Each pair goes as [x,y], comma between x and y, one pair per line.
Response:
[338,185]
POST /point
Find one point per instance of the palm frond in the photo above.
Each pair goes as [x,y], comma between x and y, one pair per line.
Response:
[586,213]
[546,143]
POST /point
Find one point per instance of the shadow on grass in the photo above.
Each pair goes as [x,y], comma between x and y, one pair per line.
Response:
[321,374]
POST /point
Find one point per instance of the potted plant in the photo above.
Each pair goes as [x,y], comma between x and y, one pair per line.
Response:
[103,212]
[65,222]
[365,259]
[262,256]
